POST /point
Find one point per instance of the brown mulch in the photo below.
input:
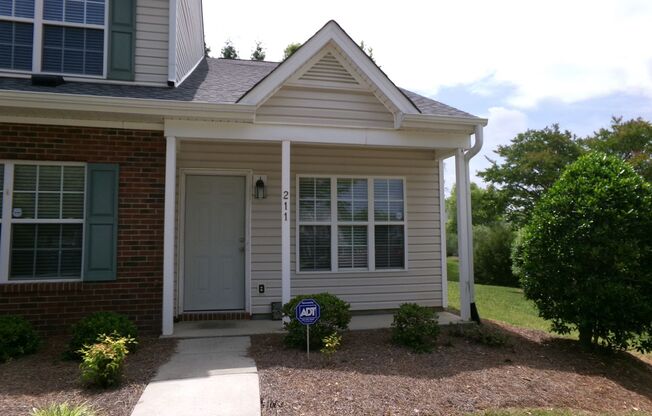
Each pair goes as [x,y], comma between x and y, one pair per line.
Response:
[370,376]
[44,378]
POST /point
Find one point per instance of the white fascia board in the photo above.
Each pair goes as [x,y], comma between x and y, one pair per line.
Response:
[206,130]
[331,32]
[424,120]
[132,106]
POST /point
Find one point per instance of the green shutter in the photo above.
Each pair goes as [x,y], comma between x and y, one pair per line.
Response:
[122,39]
[101,231]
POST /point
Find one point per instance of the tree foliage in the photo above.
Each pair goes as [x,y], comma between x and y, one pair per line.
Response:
[487,207]
[290,49]
[368,50]
[229,51]
[631,141]
[585,257]
[532,162]
[259,53]
[492,248]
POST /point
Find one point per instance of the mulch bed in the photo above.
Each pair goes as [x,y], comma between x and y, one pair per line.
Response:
[44,378]
[370,376]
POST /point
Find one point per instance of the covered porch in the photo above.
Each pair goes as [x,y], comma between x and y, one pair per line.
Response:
[280,155]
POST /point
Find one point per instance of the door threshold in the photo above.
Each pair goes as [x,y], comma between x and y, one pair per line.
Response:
[214,316]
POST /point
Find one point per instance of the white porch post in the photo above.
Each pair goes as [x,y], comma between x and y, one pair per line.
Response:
[463,225]
[442,233]
[285,222]
[169,234]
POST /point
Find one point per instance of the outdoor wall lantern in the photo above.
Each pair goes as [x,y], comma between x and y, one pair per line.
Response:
[260,190]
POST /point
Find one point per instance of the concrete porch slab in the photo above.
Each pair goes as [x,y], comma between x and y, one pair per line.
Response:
[205,329]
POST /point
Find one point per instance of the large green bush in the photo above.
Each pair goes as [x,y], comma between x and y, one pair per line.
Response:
[492,246]
[335,317]
[415,327]
[89,330]
[585,258]
[17,337]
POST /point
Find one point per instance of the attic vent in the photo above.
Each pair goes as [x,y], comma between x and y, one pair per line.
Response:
[329,69]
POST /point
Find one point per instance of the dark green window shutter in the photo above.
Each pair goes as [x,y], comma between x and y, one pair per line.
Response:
[122,39]
[101,231]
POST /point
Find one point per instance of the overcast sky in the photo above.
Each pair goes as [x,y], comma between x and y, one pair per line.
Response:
[522,64]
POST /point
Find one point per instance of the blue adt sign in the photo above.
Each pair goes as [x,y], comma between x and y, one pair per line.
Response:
[308,311]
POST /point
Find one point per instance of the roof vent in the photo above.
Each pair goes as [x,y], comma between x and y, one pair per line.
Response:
[47,80]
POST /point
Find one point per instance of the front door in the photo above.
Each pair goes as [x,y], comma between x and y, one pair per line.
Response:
[214,263]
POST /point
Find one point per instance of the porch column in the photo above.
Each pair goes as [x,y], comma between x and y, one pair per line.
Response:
[169,234]
[463,230]
[443,217]
[285,222]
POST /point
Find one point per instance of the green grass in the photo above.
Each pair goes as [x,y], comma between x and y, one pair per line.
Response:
[500,303]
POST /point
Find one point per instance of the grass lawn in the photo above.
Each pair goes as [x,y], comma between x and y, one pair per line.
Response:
[500,303]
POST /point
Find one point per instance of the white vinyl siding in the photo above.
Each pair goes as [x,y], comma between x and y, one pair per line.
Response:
[151,56]
[385,289]
[190,36]
[343,108]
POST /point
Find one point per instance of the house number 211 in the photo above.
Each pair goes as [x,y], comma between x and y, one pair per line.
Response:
[286,210]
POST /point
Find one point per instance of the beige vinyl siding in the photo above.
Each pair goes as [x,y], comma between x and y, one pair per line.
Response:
[151,58]
[421,282]
[329,107]
[190,36]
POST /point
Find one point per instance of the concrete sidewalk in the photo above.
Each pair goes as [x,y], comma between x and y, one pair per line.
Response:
[205,376]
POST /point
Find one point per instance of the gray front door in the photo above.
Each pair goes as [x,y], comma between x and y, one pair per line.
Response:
[214,264]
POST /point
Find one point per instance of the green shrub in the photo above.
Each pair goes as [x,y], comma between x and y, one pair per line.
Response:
[89,330]
[335,317]
[415,327]
[102,362]
[331,343]
[451,244]
[17,337]
[64,409]
[492,246]
[585,257]
[479,334]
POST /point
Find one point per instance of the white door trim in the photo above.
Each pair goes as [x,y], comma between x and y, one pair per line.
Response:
[183,173]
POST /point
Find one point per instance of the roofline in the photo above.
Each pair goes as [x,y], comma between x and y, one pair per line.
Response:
[187,109]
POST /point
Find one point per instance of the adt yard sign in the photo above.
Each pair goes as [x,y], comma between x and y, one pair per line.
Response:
[308,312]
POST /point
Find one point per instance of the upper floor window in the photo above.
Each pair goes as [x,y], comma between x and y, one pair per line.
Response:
[54,36]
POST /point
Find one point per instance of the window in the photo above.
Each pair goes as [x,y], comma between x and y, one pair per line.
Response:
[368,219]
[46,221]
[69,37]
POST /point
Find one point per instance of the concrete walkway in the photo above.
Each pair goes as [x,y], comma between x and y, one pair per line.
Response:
[205,376]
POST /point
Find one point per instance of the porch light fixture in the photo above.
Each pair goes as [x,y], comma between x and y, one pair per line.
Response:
[260,191]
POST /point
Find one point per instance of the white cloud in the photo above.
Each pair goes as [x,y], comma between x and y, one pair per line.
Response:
[504,125]
[566,50]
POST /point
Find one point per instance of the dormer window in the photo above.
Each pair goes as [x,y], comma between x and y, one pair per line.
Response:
[65,37]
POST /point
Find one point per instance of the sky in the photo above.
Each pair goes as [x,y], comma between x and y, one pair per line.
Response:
[521,64]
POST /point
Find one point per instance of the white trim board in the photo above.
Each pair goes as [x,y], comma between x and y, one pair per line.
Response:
[183,174]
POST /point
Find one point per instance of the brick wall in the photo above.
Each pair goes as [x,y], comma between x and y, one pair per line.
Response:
[137,292]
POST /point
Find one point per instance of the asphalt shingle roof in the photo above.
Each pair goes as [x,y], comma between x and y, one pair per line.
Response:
[213,81]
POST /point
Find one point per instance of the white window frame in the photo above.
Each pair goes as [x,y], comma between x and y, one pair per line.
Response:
[8,221]
[37,45]
[334,223]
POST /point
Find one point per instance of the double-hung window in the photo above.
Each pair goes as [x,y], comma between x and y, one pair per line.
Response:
[54,36]
[58,221]
[351,224]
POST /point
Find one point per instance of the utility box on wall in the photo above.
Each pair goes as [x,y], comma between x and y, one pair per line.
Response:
[277,314]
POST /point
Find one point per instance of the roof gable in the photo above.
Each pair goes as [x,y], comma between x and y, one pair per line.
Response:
[332,59]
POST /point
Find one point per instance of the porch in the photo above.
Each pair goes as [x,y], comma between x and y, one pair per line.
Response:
[207,329]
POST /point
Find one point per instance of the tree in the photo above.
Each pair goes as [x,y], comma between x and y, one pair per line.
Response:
[207,51]
[487,207]
[290,49]
[259,53]
[229,51]
[368,50]
[631,141]
[585,257]
[532,162]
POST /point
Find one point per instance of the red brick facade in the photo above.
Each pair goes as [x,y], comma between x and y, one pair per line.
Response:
[138,290]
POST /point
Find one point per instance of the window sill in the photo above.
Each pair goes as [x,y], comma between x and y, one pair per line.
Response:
[356,271]
[32,281]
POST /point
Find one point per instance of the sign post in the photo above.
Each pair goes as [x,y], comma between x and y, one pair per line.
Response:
[307,313]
